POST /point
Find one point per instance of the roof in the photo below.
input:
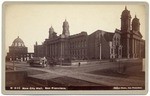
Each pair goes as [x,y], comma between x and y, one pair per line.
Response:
[108,36]
[125,13]
[18,42]
[83,33]
[135,20]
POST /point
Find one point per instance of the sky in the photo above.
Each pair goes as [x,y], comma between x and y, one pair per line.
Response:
[31,21]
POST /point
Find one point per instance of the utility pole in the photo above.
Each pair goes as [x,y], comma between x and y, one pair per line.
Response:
[61,53]
[100,49]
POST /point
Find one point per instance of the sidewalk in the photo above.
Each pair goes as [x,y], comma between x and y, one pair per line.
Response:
[98,79]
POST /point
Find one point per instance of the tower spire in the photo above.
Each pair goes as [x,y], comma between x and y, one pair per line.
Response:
[136,24]
[36,43]
[66,28]
[125,7]
[125,20]
[51,32]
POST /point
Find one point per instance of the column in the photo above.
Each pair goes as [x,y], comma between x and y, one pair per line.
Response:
[139,49]
[133,48]
[53,50]
[50,50]
[128,54]
[23,57]
[61,50]
[47,50]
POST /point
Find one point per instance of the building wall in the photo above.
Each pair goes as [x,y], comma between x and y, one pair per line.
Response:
[117,46]
[78,46]
[17,50]
[105,49]
[96,42]
[52,48]
[82,46]
[39,51]
[17,53]
[91,46]
[142,48]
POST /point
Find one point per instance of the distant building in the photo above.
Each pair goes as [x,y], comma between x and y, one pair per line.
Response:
[78,46]
[39,50]
[18,51]
[124,43]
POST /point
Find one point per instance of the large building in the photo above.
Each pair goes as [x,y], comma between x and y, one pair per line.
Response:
[131,38]
[104,45]
[124,43]
[18,51]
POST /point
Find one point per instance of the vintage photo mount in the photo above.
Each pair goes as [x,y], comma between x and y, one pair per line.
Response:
[116,90]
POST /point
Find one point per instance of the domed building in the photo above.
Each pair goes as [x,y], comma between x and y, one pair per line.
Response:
[18,42]
[18,51]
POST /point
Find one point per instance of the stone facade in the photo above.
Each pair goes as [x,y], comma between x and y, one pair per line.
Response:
[104,45]
[18,51]
[39,50]
[124,43]
[131,38]
[78,46]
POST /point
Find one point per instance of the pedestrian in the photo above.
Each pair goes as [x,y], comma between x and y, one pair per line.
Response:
[79,64]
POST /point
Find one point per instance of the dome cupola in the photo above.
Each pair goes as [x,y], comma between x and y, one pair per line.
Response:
[125,20]
[125,13]
[18,42]
[135,24]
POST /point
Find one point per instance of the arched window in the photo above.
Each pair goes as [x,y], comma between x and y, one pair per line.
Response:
[118,42]
[19,44]
[114,41]
[16,44]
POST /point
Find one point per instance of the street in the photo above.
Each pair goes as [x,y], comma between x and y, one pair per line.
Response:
[92,74]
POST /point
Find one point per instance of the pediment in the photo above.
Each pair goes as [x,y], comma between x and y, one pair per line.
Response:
[137,33]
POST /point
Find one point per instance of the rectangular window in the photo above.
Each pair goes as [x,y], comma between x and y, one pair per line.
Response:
[111,50]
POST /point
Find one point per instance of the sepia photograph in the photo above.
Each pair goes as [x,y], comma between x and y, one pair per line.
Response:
[74,47]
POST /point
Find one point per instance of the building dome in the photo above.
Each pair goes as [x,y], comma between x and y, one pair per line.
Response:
[135,20]
[135,24]
[18,42]
[125,13]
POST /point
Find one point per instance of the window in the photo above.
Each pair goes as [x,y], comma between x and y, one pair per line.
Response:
[110,44]
[117,41]
[16,44]
[119,51]
[81,43]
[111,50]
